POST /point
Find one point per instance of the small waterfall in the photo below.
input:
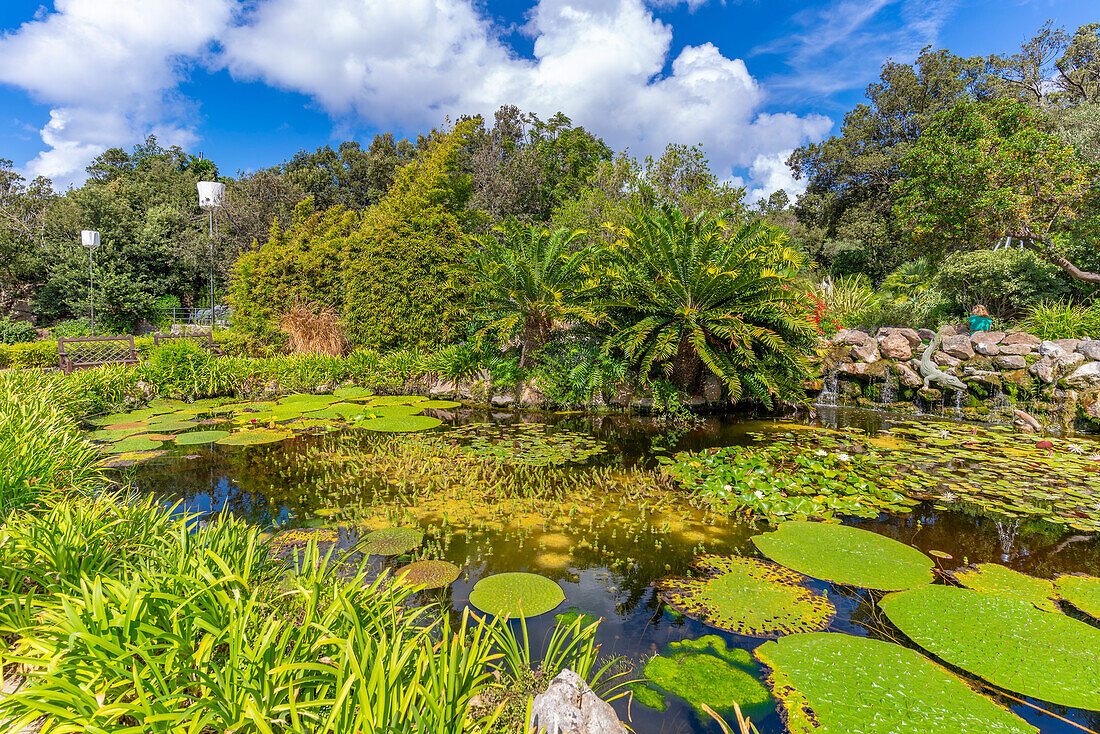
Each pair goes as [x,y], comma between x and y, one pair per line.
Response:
[830,389]
[890,387]
[959,401]
[1008,538]
[1002,403]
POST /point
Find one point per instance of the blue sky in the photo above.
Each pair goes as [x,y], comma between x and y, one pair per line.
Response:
[250,82]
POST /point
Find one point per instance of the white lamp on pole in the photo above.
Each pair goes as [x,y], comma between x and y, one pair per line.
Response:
[211,195]
[90,238]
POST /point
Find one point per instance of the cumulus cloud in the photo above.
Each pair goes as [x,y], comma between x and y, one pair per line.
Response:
[110,69]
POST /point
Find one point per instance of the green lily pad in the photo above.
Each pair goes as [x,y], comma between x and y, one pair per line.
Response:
[165,405]
[705,671]
[253,438]
[134,443]
[1007,642]
[748,596]
[400,423]
[398,400]
[111,434]
[339,411]
[132,458]
[128,426]
[171,425]
[1081,591]
[428,574]
[994,578]
[439,404]
[198,437]
[840,683]
[516,595]
[352,393]
[846,555]
[393,541]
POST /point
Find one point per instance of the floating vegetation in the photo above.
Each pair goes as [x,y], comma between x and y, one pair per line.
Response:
[748,596]
[1081,591]
[438,405]
[393,541]
[400,423]
[846,555]
[253,438]
[128,445]
[516,595]
[1007,642]
[706,672]
[132,458]
[840,683]
[107,435]
[286,543]
[352,393]
[790,478]
[993,578]
[171,425]
[428,574]
[199,437]
[531,444]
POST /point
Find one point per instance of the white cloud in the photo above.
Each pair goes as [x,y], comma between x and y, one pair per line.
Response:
[109,69]
[770,173]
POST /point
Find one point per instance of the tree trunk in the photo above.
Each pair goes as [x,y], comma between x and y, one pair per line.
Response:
[536,332]
[1035,244]
[687,367]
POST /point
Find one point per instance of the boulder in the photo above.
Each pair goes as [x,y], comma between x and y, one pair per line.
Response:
[502,400]
[1025,422]
[955,330]
[1020,349]
[1051,348]
[1070,345]
[1045,369]
[910,335]
[1085,376]
[569,706]
[957,346]
[987,337]
[531,393]
[1009,362]
[863,370]
[443,388]
[1068,362]
[1021,338]
[907,375]
[926,334]
[896,346]
[852,337]
[712,388]
[1090,348]
[944,359]
[866,352]
[989,349]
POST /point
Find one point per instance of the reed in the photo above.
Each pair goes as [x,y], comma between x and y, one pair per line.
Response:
[314,329]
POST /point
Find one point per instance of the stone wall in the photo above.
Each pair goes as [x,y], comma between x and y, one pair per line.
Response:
[1057,382]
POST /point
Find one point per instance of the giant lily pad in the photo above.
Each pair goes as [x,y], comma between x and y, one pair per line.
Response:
[706,672]
[253,438]
[197,437]
[428,574]
[857,685]
[393,541]
[994,578]
[397,400]
[748,596]
[112,434]
[846,555]
[129,445]
[1081,591]
[353,393]
[171,425]
[1007,642]
[399,423]
[132,458]
[516,595]
[439,404]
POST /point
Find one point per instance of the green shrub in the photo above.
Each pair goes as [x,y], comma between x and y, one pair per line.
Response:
[908,297]
[1062,319]
[851,300]
[72,329]
[16,332]
[1005,281]
[28,355]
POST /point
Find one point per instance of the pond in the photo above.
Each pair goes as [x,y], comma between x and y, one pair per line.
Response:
[605,526]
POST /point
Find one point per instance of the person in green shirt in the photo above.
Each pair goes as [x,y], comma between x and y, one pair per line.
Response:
[979,319]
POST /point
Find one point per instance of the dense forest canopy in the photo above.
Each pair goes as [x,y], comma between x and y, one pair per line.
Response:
[892,185]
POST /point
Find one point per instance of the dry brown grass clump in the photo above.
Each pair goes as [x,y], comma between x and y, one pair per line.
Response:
[314,329]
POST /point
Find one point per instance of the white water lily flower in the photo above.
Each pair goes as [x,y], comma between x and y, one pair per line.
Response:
[843,457]
[820,452]
[1075,448]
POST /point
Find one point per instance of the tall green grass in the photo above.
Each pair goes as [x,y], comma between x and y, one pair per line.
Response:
[1060,319]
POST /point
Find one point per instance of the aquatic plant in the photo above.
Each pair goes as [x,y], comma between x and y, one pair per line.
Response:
[531,444]
[516,595]
[1007,642]
[846,555]
[428,574]
[747,596]
[399,423]
[393,541]
[195,438]
[132,443]
[1081,591]
[836,682]
[993,578]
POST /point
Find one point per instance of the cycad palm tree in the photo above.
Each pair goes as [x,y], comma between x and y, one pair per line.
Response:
[700,293]
[526,278]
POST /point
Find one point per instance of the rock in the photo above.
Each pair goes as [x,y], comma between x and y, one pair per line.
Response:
[987,348]
[1069,345]
[1090,348]
[852,337]
[862,370]
[866,352]
[910,335]
[531,393]
[443,388]
[1091,405]
[955,330]
[624,396]
[1010,362]
[1020,349]
[1020,338]
[932,394]
[569,706]
[712,388]
[1025,422]
[1067,362]
[907,375]
[943,359]
[957,346]
[896,346]
[1085,376]
[1044,369]
[926,334]
[1051,348]
[1019,378]
[502,400]
[987,337]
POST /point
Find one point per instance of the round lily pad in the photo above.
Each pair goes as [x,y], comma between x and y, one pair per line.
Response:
[398,400]
[165,405]
[351,393]
[428,574]
[439,404]
[172,425]
[1007,642]
[994,578]
[846,555]
[748,596]
[400,423]
[1081,591]
[109,434]
[516,595]
[197,437]
[339,411]
[128,426]
[858,685]
[286,543]
[253,438]
[134,443]
[132,458]
[393,541]
[706,672]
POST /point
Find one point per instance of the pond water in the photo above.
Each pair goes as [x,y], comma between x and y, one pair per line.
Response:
[604,541]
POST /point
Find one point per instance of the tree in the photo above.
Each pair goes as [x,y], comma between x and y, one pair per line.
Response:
[526,278]
[983,172]
[253,201]
[24,225]
[349,176]
[701,294]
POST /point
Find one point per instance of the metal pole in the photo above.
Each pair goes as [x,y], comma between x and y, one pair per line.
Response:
[211,271]
[91,292]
